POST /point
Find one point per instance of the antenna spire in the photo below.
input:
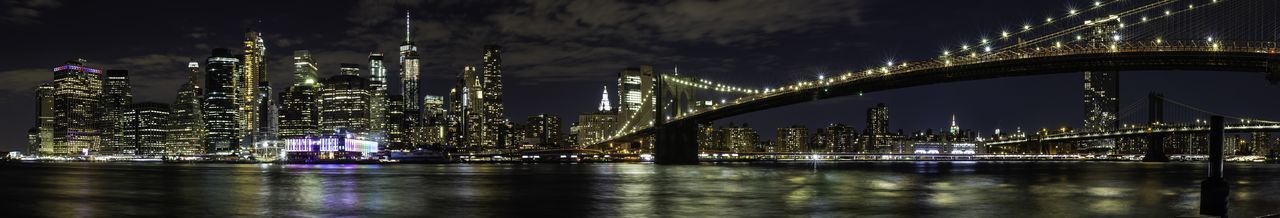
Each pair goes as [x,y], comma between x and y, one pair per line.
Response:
[407,38]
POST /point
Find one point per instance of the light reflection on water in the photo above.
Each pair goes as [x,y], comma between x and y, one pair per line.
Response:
[933,189]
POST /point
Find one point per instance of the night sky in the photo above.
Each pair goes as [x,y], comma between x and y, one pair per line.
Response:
[558,54]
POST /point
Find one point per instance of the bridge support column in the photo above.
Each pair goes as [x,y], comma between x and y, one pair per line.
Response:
[677,143]
[1155,141]
[1214,190]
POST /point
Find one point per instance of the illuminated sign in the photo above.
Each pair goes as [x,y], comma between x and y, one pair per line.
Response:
[76,68]
[330,144]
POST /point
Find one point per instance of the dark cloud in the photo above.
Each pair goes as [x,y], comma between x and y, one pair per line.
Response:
[27,11]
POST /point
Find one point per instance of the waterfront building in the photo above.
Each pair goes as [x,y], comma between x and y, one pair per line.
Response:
[116,94]
[543,130]
[145,129]
[268,114]
[792,139]
[334,147]
[77,103]
[739,138]
[186,120]
[707,140]
[378,98]
[397,124]
[221,112]
[836,137]
[596,125]
[344,105]
[299,114]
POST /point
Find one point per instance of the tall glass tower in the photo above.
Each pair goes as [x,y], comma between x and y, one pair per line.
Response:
[186,121]
[491,97]
[116,94]
[409,67]
[77,96]
[221,103]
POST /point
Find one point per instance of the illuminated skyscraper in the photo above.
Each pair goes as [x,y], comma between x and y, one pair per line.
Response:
[268,111]
[299,115]
[378,98]
[604,101]
[377,72]
[77,104]
[409,67]
[472,109]
[304,68]
[635,98]
[251,74]
[397,124]
[432,130]
[116,94]
[491,97]
[877,125]
[1101,105]
[222,123]
[186,120]
[144,129]
[344,105]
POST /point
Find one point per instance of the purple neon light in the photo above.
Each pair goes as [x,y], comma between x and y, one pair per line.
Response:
[329,144]
[79,68]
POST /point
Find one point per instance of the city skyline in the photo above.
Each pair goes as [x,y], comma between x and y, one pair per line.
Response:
[158,74]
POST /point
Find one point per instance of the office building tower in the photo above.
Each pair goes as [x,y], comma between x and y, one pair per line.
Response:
[116,94]
[145,129]
[378,98]
[304,68]
[299,114]
[1101,105]
[397,124]
[792,139]
[410,64]
[45,120]
[433,110]
[377,72]
[77,106]
[252,73]
[596,126]
[344,105]
[349,69]
[635,98]
[491,100]
[186,119]
[268,114]
[604,100]
[221,112]
[877,125]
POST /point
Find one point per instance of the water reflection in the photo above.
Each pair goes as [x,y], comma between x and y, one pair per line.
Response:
[950,189]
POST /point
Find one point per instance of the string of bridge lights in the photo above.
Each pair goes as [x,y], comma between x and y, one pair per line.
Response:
[983,42]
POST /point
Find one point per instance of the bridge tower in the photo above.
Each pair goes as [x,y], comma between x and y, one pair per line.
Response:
[677,142]
[1155,142]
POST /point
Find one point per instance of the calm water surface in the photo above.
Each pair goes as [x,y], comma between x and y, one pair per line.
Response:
[889,189]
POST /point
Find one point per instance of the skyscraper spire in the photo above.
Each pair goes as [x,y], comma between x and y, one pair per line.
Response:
[407,29]
[604,100]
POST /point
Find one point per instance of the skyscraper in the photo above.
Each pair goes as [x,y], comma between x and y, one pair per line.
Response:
[604,100]
[1101,105]
[268,111]
[472,109]
[299,115]
[45,120]
[739,138]
[409,67]
[77,105]
[635,98]
[877,125]
[186,120]
[491,97]
[397,124]
[377,72]
[251,75]
[116,94]
[378,98]
[432,131]
[222,123]
[304,68]
[144,129]
[344,105]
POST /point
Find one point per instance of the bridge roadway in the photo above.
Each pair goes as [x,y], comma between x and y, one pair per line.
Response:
[1131,132]
[1201,55]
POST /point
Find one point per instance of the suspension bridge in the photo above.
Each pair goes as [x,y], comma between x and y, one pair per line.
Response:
[1104,36]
